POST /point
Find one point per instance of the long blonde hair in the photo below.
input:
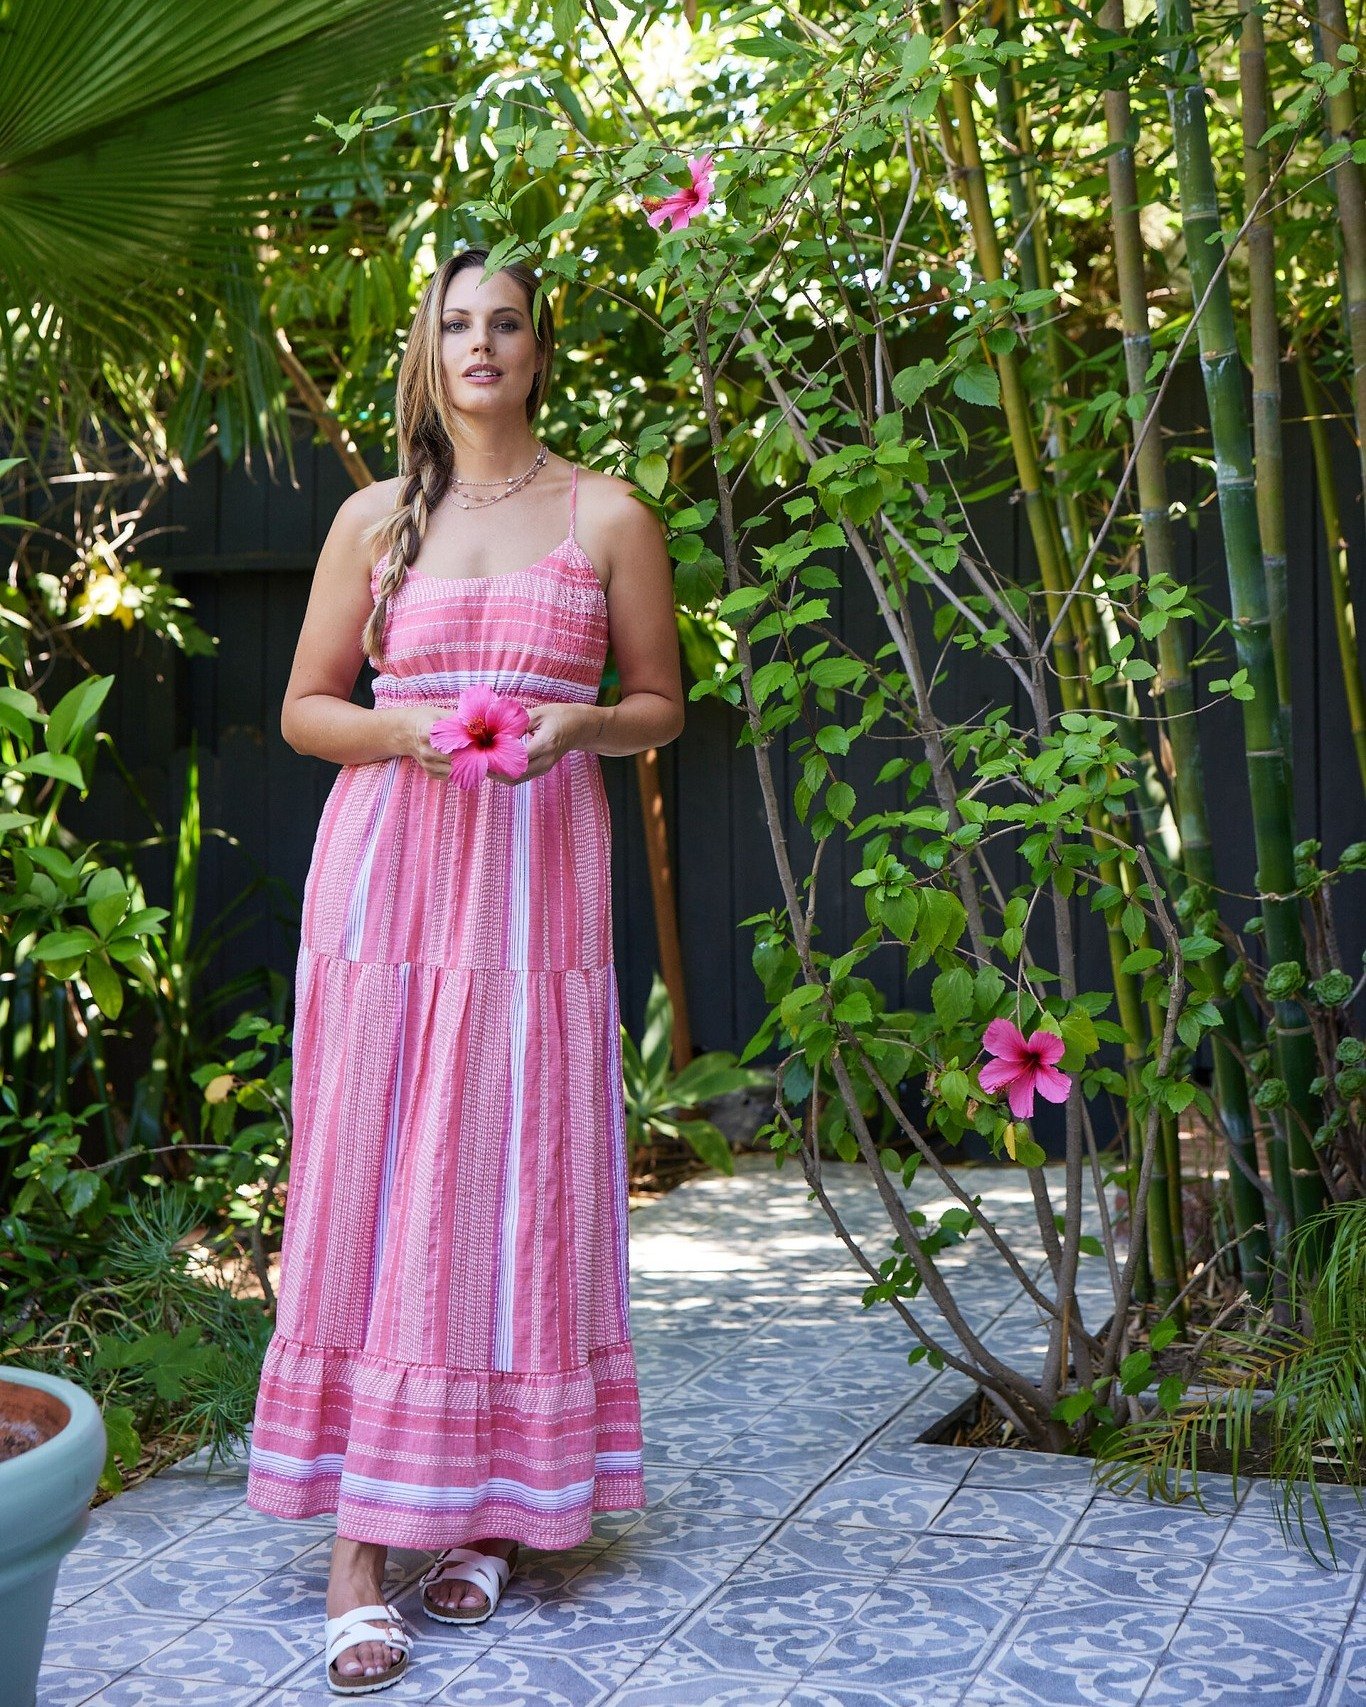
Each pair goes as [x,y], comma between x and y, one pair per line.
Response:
[428,427]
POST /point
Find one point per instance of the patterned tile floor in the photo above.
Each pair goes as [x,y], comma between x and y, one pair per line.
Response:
[799,1546]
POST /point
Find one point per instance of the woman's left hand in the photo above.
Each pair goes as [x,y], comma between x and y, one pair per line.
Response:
[552,734]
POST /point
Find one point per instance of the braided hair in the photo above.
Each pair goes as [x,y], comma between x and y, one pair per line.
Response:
[428,425]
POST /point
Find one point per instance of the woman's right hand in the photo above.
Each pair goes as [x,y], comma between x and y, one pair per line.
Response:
[417,729]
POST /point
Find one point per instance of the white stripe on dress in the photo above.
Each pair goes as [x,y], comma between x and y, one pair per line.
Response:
[518,937]
[360,888]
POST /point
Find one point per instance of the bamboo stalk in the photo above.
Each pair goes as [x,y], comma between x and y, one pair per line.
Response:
[1266,350]
[1176,700]
[1119,697]
[1339,565]
[1268,780]
[1350,188]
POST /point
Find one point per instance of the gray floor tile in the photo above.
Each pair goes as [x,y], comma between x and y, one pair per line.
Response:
[525,1674]
[878,1501]
[1256,1570]
[1347,1682]
[737,1492]
[68,1686]
[911,1628]
[1011,1468]
[1100,1572]
[1101,1652]
[138,1689]
[1231,1657]
[909,1692]
[1028,1514]
[1133,1525]
[765,1625]
[658,1683]
[105,1633]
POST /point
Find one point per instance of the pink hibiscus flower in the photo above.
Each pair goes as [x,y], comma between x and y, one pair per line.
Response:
[683,204]
[483,735]
[1024,1065]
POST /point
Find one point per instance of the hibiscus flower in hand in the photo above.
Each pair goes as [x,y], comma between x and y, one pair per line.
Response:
[483,735]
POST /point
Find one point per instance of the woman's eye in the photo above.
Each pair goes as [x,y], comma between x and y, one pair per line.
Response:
[501,325]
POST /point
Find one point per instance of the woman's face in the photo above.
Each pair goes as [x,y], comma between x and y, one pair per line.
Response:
[489,354]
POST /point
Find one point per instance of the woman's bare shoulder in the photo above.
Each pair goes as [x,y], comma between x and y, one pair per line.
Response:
[600,488]
[369,504]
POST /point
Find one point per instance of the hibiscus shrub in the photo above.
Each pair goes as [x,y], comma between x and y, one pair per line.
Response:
[812,237]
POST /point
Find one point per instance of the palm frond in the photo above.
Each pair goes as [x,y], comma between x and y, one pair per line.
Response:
[139,140]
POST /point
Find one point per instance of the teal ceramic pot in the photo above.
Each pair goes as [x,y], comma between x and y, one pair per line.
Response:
[52,1449]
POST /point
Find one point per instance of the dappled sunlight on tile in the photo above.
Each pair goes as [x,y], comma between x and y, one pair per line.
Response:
[801,1547]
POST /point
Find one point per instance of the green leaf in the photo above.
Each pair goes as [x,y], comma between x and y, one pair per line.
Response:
[1141,960]
[899,913]
[839,801]
[1163,1334]
[1079,1033]
[652,472]
[60,765]
[911,383]
[978,384]
[951,995]
[854,1008]
[105,985]
[741,600]
[1075,1406]
[1026,1152]
[74,710]
[122,1440]
[943,919]
[1134,1371]
[709,1143]
[61,945]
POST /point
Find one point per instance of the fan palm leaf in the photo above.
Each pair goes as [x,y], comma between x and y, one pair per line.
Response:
[140,140]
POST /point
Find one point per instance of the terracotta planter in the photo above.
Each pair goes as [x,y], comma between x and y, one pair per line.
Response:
[52,1449]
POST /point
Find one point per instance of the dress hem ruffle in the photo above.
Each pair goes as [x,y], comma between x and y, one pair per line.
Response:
[395,1448]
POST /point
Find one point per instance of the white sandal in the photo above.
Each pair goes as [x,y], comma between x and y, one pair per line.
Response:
[366,1624]
[487,1571]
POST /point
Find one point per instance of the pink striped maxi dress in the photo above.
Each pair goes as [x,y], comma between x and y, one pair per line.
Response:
[452,1356]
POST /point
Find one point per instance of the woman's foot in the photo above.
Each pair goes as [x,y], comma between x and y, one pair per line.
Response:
[468,1597]
[357,1579]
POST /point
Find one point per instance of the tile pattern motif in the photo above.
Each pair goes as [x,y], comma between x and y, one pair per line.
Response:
[799,1549]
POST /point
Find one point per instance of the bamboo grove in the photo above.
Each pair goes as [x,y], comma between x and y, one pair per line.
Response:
[963,250]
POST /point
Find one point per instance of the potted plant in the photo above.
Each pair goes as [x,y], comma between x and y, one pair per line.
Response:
[52,1449]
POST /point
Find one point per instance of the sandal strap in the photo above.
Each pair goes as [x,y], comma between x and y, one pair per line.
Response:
[488,1571]
[375,1623]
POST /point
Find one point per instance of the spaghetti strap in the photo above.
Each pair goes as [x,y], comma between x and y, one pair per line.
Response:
[573,498]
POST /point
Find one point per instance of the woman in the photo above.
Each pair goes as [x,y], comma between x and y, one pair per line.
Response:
[451,1366]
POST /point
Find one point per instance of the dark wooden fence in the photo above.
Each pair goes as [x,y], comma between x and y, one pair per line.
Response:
[243,549]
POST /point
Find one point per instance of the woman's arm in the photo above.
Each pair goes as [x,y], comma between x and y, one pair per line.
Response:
[644,629]
[317,716]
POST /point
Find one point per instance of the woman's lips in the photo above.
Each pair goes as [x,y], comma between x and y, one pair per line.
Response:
[483,378]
